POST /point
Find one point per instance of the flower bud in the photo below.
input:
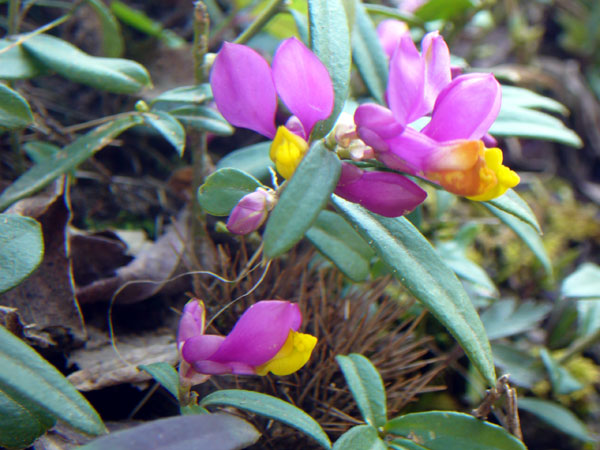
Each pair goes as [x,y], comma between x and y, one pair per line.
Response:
[251,212]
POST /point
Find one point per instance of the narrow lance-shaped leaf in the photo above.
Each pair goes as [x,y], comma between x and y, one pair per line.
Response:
[368,54]
[165,375]
[21,249]
[40,175]
[366,386]
[168,127]
[14,109]
[271,407]
[418,267]
[526,233]
[16,63]
[109,74]
[330,40]
[303,198]
[361,437]
[336,239]
[513,204]
[205,431]
[557,416]
[112,38]
[26,374]
[445,430]
[253,160]
[584,283]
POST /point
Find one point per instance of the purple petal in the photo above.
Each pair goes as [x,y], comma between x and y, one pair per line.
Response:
[466,108]
[303,83]
[375,124]
[384,193]
[406,83]
[408,152]
[259,333]
[201,347]
[390,32]
[250,212]
[243,89]
[191,322]
[436,58]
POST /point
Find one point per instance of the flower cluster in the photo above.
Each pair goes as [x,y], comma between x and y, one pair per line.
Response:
[449,149]
[434,125]
[264,339]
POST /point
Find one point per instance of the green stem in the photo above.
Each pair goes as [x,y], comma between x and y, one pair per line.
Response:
[201,29]
[13,16]
[268,13]
[579,346]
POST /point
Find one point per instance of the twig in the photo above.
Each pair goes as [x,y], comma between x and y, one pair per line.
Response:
[268,13]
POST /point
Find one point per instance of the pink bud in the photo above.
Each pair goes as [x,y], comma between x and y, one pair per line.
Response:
[251,212]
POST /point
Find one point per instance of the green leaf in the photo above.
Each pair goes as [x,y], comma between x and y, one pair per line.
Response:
[112,39]
[21,249]
[14,109]
[366,386]
[197,94]
[417,266]
[405,444]
[337,240]
[529,123]
[271,407]
[203,431]
[588,317]
[22,422]
[330,40]
[141,22]
[303,198]
[368,55]
[16,64]
[454,255]
[507,318]
[445,430]
[121,76]
[524,369]
[513,204]
[168,127]
[164,374]
[443,9]
[361,437]
[253,159]
[557,416]
[40,175]
[584,283]
[26,374]
[203,118]
[526,233]
[519,97]
[40,151]
[394,13]
[223,189]
[563,383]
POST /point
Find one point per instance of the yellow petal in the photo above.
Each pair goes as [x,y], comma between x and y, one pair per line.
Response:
[291,357]
[486,179]
[506,178]
[287,150]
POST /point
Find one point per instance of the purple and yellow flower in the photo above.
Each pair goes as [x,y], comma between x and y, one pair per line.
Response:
[264,339]
[245,90]
[448,149]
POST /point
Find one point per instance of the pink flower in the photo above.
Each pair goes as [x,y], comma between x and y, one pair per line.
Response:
[250,212]
[245,90]
[264,339]
[448,150]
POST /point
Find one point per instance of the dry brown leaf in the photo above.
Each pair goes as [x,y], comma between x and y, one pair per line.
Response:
[102,367]
[45,301]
